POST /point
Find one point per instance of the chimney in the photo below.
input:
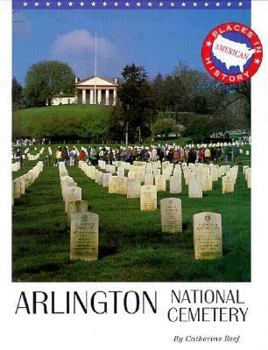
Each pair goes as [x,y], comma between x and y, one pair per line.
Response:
[76,80]
[115,80]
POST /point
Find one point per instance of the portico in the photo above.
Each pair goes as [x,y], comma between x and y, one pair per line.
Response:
[96,90]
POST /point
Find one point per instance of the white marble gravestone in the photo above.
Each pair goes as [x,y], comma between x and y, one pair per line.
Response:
[72,194]
[105,179]
[171,215]
[195,188]
[148,179]
[227,184]
[207,183]
[76,207]
[207,235]
[113,184]
[175,184]
[84,242]
[160,183]
[133,188]
[148,198]
[122,185]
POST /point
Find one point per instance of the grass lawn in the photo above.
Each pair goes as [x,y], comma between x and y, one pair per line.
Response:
[59,121]
[132,247]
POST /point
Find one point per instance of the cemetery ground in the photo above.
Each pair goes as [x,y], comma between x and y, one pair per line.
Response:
[131,245]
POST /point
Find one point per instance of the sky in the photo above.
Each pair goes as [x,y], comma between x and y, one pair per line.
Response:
[155,39]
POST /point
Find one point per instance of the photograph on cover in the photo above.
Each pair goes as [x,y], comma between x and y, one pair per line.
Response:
[131,141]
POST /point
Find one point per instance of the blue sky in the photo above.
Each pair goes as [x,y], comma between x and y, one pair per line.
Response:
[158,40]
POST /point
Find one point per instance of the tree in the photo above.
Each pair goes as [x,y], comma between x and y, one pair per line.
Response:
[237,95]
[199,89]
[135,95]
[165,126]
[16,94]
[46,80]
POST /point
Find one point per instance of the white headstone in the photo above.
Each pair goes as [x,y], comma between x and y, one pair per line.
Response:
[171,215]
[133,188]
[76,207]
[160,183]
[105,179]
[148,199]
[207,235]
[113,184]
[72,194]
[195,188]
[84,236]
[122,185]
[207,184]
[148,179]
[175,184]
[227,184]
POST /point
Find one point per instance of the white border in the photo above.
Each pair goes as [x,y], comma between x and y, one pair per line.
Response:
[132,332]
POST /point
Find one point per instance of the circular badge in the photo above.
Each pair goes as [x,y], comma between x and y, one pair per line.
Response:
[232,53]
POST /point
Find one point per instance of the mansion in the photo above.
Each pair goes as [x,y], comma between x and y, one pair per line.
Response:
[93,90]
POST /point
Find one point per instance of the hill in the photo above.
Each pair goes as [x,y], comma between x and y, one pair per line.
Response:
[62,122]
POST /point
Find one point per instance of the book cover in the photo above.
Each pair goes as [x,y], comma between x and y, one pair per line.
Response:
[134,174]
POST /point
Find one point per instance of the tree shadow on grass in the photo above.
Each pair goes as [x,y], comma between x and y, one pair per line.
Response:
[107,251]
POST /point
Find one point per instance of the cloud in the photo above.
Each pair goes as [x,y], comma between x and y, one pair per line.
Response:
[22,28]
[77,48]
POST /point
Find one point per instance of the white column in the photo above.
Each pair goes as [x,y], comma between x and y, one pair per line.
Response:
[114,97]
[84,97]
[107,97]
[99,96]
[91,97]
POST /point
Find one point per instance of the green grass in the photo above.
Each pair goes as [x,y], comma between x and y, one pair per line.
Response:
[59,121]
[78,111]
[132,247]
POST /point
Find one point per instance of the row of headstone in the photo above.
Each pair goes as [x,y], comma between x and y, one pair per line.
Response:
[198,177]
[84,225]
[35,156]
[207,235]
[207,226]
[20,184]
[229,180]
[117,180]
[16,166]
[247,174]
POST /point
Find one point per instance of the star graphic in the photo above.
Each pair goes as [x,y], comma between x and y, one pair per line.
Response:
[240,4]
[116,4]
[257,61]
[93,4]
[70,4]
[208,43]
[138,4]
[194,4]
[218,4]
[36,4]
[206,4]
[25,4]
[127,4]
[229,4]
[172,4]
[59,4]
[183,4]
[48,4]
[104,4]
[82,4]
[149,4]
[160,4]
